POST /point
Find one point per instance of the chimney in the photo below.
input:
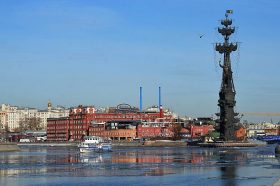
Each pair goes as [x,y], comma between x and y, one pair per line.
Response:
[159,103]
[159,97]
[140,99]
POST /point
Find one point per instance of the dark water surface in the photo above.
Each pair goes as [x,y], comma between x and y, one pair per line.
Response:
[140,166]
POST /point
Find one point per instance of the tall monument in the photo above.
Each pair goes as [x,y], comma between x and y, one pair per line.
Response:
[227,117]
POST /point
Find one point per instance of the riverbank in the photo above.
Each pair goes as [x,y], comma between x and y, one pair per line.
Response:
[9,147]
[157,143]
[277,183]
[53,144]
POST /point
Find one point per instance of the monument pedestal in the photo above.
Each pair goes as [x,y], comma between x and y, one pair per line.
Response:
[229,144]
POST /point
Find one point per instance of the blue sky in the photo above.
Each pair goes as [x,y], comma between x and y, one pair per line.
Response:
[100,52]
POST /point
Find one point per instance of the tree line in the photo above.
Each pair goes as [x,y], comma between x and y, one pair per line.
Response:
[32,123]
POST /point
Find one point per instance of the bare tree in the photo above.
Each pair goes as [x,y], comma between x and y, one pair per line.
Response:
[22,124]
[176,129]
[32,123]
[35,123]
[6,128]
[17,129]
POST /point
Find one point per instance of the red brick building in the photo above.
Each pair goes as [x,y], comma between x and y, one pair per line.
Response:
[58,129]
[79,123]
[99,129]
[148,131]
[200,130]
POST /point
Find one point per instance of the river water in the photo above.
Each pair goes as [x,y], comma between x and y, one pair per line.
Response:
[140,166]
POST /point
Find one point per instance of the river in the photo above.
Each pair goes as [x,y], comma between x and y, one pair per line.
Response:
[140,166]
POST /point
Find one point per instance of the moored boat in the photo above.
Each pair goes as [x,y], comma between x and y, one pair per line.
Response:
[95,144]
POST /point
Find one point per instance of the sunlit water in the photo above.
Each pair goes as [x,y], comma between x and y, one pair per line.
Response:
[140,166]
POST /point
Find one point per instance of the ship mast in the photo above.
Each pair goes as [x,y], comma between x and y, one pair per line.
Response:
[227,120]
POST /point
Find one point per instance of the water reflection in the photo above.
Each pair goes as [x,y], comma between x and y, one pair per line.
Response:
[221,164]
[228,171]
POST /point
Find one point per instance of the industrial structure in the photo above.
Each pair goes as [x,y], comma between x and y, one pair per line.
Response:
[124,122]
[227,116]
[118,123]
[85,120]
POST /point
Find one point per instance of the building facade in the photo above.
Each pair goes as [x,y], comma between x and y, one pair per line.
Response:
[3,118]
[149,131]
[262,129]
[119,123]
[200,130]
[12,115]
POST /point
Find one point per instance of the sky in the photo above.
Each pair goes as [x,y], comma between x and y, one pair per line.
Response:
[94,52]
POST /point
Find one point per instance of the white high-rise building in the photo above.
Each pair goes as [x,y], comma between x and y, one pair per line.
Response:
[12,116]
[3,118]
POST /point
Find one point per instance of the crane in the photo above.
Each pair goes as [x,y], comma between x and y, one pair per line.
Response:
[260,114]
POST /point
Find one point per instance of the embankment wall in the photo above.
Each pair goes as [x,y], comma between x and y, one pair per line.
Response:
[8,147]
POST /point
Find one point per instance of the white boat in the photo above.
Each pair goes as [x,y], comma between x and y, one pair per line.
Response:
[95,144]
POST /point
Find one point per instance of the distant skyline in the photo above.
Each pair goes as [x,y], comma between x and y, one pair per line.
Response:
[100,52]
